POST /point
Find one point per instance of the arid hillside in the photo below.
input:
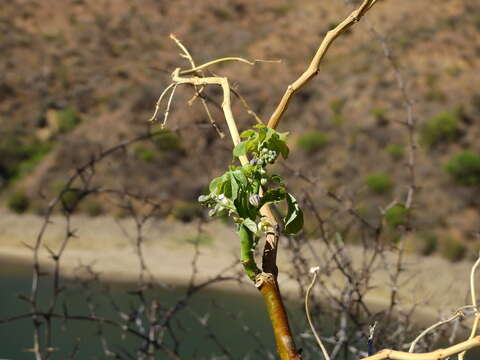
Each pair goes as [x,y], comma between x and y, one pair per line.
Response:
[80,76]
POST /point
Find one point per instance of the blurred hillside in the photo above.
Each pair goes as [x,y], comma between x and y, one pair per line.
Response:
[79,76]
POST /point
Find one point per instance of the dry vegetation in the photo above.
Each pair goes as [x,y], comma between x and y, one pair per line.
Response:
[87,78]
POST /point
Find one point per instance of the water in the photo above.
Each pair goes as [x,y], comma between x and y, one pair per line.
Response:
[196,341]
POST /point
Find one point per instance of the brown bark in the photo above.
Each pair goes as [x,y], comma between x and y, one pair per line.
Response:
[278,317]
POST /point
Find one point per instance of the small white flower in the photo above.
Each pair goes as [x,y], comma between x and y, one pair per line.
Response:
[314,270]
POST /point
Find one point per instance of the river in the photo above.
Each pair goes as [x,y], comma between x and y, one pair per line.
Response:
[239,322]
[226,314]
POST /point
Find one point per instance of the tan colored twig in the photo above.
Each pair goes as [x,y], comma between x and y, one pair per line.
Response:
[188,56]
[225,59]
[226,104]
[313,68]
[169,104]
[159,101]
[455,316]
[314,271]
[439,354]
[473,293]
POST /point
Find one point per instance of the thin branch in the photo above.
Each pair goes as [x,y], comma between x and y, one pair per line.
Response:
[159,101]
[455,316]
[474,304]
[439,354]
[314,271]
[225,59]
[226,104]
[313,68]
[169,104]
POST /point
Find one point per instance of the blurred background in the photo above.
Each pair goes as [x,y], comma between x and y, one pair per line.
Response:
[78,77]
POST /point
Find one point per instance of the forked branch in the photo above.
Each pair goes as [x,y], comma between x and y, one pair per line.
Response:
[314,66]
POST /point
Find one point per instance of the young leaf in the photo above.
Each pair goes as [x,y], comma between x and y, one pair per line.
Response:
[250,225]
[240,149]
[272,195]
[240,176]
[233,186]
[294,219]
[282,148]
[247,133]
[270,133]
[216,184]
[283,136]
[277,179]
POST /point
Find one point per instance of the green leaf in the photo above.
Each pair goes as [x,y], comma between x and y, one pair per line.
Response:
[240,176]
[250,225]
[226,187]
[272,195]
[282,148]
[283,136]
[240,149]
[277,179]
[252,144]
[233,186]
[262,133]
[294,219]
[241,204]
[269,133]
[247,133]
[216,184]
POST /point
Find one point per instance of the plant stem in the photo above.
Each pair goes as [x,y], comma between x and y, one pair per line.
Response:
[278,317]
[247,247]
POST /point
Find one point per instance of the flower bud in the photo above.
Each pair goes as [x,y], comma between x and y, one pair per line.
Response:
[254,200]
[203,198]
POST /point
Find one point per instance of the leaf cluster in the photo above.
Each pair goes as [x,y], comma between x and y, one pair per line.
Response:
[242,190]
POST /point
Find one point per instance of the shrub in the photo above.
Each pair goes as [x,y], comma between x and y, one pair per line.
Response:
[452,249]
[166,140]
[395,151]
[18,158]
[337,106]
[70,198]
[379,183]
[68,119]
[396,215]
[441,128]
[36,153]
[187,211]
[222,14]
[436,95]
[281,10]
[312,141]
[18,202]
[380,116]
[464,167]
[426,243]
[93,208]
[144,153]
